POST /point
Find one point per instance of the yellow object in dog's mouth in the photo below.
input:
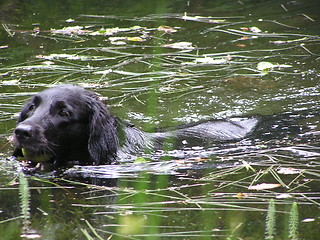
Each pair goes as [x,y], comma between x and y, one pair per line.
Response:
[34,157]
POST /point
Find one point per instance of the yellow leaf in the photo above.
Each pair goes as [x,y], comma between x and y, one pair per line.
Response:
[135,39]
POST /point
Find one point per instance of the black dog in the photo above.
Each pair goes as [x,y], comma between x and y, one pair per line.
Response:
[68,124]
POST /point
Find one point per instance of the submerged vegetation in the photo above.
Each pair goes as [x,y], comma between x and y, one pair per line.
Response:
[161,70]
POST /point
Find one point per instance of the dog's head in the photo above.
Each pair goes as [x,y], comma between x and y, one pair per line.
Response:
[63,124]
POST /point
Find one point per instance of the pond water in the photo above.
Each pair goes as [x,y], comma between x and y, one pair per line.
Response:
[161,64]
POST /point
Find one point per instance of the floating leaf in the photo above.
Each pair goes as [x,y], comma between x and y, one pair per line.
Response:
[48,63]
[217,21]
[80,30]
[106,32]
[135,39]
[255,29]
[74,30]
[190,18]
[264,186]
[113,39]
[241,45]
[265,66]
[59,56]
[180,45]
[284,196]
[198,159]
[122,40]
[279,42]
[119,43]
[241,195]
[117,40]
[10,82]
[166,29]
[308,220]
[288,171]
[244,29]
[210,60]
[202,19]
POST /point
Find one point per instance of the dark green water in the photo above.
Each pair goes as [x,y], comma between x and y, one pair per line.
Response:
[195,193]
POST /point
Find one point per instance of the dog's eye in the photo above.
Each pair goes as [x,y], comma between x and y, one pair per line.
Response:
[31,108]
[63,113]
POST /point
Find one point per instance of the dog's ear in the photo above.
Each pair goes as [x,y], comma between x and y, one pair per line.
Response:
[103,138]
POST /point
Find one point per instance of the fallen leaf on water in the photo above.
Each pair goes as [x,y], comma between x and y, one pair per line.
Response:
[217,20]
[190,18]
[278,42]
[135,39]
[210,60]
[283,196]
[119,43]
[48,63]
[30,235]
[308,220]
[202,19]
[10,82]
[166,29]
[288,171]
[264,186]
[180,45]
[241,45]
[255,29]
[241,195]
[74,30]
[265,66]
[121,40]
[61,56]
[113,39]
[106,32]
[80,30]
[199,159]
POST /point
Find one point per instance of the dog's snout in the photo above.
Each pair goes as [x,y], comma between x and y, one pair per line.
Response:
[24,132]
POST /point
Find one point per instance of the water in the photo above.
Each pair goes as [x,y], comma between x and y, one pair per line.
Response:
[204,192]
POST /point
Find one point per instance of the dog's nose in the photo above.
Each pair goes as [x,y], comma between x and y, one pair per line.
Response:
[24,132]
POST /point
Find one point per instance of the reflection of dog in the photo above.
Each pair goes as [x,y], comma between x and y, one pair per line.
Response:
[69,124]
